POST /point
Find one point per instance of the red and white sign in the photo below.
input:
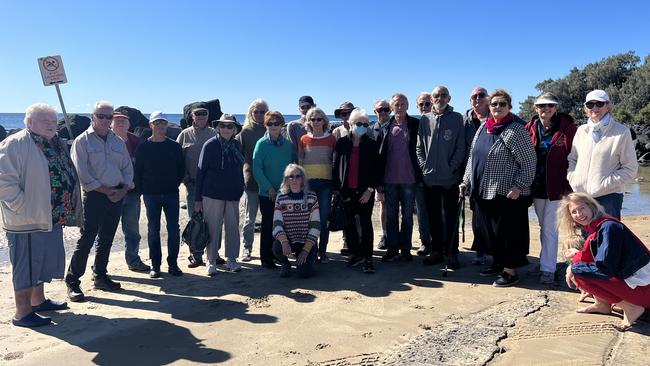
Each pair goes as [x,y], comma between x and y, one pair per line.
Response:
[52,70]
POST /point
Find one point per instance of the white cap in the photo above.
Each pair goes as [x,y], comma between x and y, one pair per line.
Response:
[597,95]
[158,115]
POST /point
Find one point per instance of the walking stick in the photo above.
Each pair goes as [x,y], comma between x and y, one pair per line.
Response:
[459,217]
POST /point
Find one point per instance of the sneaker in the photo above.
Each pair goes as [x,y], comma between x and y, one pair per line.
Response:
[382,243]
[106,284]
[345,252]
[479,261]
[407,256]
[355,261]
[219,260]
[433,258]
[50,305]
[367,267]
[212,270]
[155,273]
[139,266]
[233,266]
[505,279]
[285,271]
[492,270]
[546,277]
[424,250]
[195,262]
[322,257]
[534,271]
[175,271]
[246,255]
[31,320]
[74,293]
[390,257]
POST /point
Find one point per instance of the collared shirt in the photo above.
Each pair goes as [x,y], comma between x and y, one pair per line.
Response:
[101,162]
[192,140]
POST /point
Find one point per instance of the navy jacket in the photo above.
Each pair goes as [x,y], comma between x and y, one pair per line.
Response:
[220,176]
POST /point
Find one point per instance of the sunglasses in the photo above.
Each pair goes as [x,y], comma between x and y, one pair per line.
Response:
[316,119]
[498,104]
[440,95]
[200,113]
[306,106]
[259,112]
[159,122]
[104,116]
[542,106]
[229,126]
[382,110]
[276,123]
[345,113]
[424,104]
[480,95]
[591,105]
[362,124]
[294,176]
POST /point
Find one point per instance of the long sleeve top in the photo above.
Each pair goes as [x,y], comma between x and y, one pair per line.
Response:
[159,167]
[296,215]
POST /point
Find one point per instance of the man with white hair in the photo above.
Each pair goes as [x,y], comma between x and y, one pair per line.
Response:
[39,193]
[106,175]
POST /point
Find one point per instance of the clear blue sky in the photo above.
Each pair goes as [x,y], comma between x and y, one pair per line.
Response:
[161,55]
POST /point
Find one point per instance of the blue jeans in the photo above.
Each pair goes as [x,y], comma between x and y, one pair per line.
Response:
[323,190]
[155,203]
[613,203]
[397,195]
[131,227]
[423,215]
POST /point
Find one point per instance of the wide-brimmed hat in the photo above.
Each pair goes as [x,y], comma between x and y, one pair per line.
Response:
[158,115]
[344,107]
[598,95]
[546,98]
[226,118]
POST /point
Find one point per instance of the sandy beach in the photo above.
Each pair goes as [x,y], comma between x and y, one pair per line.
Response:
[405,314]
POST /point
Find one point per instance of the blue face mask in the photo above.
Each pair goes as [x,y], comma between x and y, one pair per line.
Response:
[359,130]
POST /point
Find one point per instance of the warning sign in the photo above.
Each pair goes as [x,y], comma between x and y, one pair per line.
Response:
[52,70]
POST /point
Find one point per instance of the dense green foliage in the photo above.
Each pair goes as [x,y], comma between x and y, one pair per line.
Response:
[622,76]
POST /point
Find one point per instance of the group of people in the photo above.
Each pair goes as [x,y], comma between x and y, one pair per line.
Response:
[294,174]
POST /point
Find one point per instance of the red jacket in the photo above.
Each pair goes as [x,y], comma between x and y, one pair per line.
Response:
[557,163]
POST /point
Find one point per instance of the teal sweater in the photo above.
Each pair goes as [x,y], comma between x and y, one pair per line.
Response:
[269,162]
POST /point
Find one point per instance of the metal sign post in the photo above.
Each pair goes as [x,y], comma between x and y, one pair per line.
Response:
[53,73]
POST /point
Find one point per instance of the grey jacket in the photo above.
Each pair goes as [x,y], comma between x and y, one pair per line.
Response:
[441,147]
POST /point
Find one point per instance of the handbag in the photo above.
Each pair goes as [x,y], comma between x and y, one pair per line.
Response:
[337,216]
[196,234]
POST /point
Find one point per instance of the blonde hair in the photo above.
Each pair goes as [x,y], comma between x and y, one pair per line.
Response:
[249,115]
[310,113]
[284,187]
[569,230]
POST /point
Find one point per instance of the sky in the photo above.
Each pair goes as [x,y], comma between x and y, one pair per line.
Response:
[161,55]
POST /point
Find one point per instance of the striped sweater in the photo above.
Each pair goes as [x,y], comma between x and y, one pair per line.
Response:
[316,155]
[297,217]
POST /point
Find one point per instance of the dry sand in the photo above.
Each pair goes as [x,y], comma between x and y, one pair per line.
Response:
[405,314]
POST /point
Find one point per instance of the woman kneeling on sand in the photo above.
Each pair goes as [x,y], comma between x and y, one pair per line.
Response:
[296,223]
[613,264]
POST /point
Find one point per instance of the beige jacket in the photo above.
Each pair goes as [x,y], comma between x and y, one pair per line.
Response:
[25,189]
[604,167]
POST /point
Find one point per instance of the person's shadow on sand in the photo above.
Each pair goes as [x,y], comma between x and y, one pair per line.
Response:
[131,341]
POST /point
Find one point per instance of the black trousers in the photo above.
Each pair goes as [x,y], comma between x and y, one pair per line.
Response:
[442,205]
[101,217]
[266,235]
[360,247]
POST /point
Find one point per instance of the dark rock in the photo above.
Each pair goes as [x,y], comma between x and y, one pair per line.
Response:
[3,133]
[136,118]
[213,106]
[78,124]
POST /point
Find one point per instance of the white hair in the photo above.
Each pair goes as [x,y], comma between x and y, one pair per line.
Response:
[36,109]
[102,104]
[358,113]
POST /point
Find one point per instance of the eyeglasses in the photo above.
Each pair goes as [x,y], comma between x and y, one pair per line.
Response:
[548,105]
[200,113]
[104,116]
[362,124]
[259,112]
[294,176]
[228,126]
[440,95]
[498,104]
[159,122]
[591,105]
[424,104]
[316,119]
[274,123]
[382,110]
[479,95]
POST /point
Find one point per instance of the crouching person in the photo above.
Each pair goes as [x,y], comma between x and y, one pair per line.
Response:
[296,223]
[39,193]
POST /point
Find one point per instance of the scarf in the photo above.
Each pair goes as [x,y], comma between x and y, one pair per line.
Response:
[277,142]
[229,151]
[596,127]
[495,127]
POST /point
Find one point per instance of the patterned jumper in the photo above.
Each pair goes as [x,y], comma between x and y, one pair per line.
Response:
[297,217]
